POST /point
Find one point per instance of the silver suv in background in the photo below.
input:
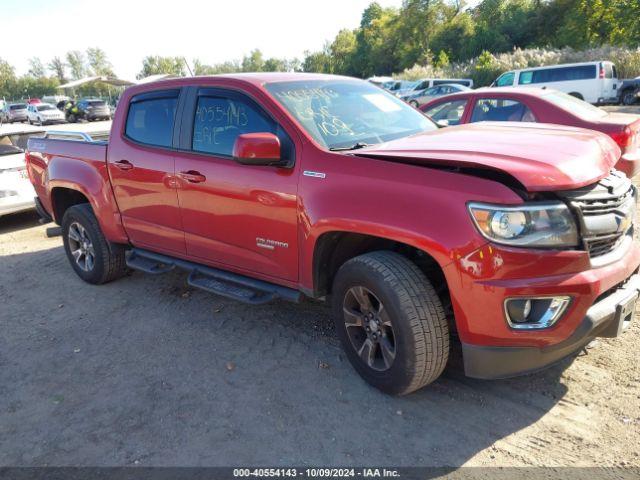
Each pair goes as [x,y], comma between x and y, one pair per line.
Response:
[14,112]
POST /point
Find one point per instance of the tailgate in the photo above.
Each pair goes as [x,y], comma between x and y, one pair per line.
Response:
[67,153]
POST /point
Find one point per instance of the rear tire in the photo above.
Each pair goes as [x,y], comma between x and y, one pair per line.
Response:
[629,97]
[398,337]
[94,259]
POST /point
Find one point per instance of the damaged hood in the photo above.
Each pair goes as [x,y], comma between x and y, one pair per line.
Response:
[541,157]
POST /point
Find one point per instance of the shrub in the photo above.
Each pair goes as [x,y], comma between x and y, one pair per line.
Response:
[485,68]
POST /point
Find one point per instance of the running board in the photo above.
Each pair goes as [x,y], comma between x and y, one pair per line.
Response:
[137,261]
[213,280]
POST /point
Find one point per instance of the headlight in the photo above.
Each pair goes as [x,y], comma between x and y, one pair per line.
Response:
[540,224]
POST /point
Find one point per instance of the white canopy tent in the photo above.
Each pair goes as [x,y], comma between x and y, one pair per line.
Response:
[116,82]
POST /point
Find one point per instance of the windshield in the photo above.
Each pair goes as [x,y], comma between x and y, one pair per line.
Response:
[575,105]
[45,107]
[345,113]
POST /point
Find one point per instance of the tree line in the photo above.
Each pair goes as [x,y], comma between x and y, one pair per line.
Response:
[431,34]
[44,78]
[439,32]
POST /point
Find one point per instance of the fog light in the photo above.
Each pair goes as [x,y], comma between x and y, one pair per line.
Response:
[530,313]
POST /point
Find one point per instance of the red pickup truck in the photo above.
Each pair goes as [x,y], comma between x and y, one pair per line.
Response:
[516,240]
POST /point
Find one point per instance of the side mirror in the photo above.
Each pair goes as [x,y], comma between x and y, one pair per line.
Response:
[443,123]
[257,149]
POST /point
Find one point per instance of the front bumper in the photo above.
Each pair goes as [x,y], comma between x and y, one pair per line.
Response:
[606,318]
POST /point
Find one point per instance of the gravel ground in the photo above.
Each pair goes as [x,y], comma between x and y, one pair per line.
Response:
[146,371]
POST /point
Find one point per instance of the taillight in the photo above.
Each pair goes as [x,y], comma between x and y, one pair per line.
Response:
[624,138]
[601,74]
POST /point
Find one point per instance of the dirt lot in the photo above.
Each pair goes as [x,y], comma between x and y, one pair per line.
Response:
[146,371]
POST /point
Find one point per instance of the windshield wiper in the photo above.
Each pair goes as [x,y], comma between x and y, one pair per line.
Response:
[355,146]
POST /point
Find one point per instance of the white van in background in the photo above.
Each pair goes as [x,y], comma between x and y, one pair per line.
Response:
[593,82]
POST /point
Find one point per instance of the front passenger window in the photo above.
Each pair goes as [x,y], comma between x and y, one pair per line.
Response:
[219,120]
[506,80]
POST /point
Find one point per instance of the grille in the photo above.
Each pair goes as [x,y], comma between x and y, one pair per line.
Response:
[605,212]
[597,246]
[602,206]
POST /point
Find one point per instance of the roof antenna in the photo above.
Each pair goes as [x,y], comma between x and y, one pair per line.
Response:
[188,67]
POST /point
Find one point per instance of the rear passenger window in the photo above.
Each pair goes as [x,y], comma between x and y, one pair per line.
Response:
[219,120]
[562,74]
[150,119]
[501,110]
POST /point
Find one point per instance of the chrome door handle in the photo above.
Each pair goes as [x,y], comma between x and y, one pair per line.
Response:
[192,176]
[123,164]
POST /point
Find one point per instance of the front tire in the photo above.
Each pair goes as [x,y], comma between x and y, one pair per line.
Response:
[390,322]
[92,257]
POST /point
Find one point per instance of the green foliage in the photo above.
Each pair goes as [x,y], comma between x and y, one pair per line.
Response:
[98,62]
[391,40]
[254,62]
[36,68]
[156,64]
[15,88]
[485,68]
[443,59]
[57,67]
[77,65]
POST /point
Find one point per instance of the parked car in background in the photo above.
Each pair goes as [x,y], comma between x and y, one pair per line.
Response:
[382,82]
[55,99]
[34,101]
[404,87]
[15,112]
[629,91]
[44,114]
[16,192]
[399,87]
[515,240]
[542,106]
[425,83]
[419,97]
[91,109]
[593,82]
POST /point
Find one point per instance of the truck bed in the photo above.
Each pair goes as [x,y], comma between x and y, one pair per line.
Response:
[86,146]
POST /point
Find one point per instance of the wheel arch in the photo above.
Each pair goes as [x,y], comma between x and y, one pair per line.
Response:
[63,197]
[333,248]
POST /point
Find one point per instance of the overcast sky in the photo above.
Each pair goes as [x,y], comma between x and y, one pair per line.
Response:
[213,31]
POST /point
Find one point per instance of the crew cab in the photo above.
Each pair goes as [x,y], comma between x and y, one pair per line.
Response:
[517,240]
